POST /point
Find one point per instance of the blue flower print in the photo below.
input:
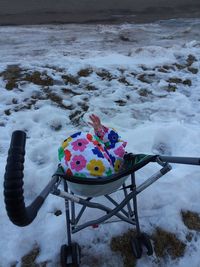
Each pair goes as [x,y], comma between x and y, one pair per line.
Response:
[113,137]
[97,152]
[112,159]
[76,134]
[111,145]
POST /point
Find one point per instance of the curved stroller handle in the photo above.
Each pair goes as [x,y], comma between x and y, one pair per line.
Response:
[17,212]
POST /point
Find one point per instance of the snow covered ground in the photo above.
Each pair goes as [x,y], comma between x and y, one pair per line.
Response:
[142,79]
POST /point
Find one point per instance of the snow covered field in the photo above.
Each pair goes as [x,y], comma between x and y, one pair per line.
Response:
[141,79]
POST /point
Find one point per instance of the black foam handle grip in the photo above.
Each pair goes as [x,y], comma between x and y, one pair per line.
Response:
[17,212]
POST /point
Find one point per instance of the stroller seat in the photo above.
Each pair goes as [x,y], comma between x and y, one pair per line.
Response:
[100,186]
[95,190]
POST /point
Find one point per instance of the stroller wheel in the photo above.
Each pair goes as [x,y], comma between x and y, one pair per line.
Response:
[146,242]
[70,255]
[136,247]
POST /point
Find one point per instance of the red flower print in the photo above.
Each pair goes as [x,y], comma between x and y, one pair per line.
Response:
[100,147]
[67,155]
[69,172]
[80,144]
[95,142]
[78,162]
[89,137]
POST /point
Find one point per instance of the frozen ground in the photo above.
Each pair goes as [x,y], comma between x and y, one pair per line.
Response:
[141,79]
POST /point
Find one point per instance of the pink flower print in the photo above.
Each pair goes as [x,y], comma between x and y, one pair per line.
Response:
[119,151]
[106,156]
[80,144]
[124,144]
[105,129]
[78,162]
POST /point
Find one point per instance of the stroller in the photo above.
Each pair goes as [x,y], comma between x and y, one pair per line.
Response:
[81,191]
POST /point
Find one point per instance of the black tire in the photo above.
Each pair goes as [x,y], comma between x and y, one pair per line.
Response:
[70,255]
[76,254]
[63,256]
[136,247]
[146,242]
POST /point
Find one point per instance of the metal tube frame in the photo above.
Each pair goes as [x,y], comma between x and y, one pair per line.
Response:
[126,210]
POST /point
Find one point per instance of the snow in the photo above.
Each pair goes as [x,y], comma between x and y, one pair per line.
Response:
[150,116]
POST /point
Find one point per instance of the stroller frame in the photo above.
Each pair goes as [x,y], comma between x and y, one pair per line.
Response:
[130,215]
[125,211]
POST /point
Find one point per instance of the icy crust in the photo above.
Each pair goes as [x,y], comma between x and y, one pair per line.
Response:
[141,79]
